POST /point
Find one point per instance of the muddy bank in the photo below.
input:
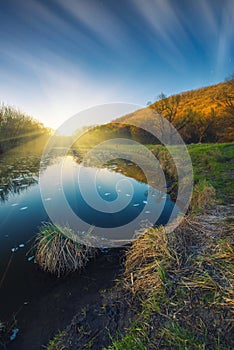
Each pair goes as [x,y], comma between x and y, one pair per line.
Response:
[94,329]
[197,312]
[41,319]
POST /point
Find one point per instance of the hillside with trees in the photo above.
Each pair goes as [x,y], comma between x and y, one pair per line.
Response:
[202,115]
[17,128]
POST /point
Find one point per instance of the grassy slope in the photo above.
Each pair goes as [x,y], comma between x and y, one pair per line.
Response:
[215,163]
[204,110]
[200,100]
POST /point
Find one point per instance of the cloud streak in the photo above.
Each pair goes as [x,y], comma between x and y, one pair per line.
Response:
[60,90]
[58,57]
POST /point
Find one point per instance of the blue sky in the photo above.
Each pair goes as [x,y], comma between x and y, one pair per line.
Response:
[58,57]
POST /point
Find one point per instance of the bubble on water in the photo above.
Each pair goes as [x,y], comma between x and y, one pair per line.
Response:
[30,258]
[23,208]
[14,249]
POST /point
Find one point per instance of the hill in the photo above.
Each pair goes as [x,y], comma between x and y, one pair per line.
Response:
[202,115]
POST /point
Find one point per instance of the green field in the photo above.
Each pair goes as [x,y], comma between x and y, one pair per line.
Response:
[215,163]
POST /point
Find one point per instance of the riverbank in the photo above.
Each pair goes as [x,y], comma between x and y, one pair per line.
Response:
[175,291]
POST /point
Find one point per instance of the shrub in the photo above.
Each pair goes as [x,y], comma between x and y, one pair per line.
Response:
[59,252]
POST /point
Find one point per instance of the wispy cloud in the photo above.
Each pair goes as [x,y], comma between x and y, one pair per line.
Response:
[165,30]
[98,19]
[60,89]
[225,35]
[211,22]
[52,28]
[212,25]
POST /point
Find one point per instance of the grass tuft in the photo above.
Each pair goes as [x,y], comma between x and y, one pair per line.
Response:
[58,252]
[55,343]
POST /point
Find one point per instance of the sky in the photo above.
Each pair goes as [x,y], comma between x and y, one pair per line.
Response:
[59,57]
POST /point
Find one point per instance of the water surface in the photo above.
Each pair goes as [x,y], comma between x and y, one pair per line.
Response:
[22,211]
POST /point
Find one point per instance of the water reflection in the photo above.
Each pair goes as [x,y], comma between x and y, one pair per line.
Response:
[104,197]
[18,172]
[22,210]
[18,175]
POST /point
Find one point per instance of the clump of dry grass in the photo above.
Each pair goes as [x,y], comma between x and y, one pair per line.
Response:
[182,283]
[147,262]
[203,197]
[59,252]
[213,271]
[156,252]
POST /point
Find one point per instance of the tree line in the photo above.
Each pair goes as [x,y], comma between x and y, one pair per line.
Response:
[207,120]
[202,115]
[17,128]
[211,123]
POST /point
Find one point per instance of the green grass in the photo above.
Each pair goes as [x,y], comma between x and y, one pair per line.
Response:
[54,344]
[181,338]
[215,164]
[136,339]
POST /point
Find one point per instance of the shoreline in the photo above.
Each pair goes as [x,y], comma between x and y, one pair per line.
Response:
[113,319]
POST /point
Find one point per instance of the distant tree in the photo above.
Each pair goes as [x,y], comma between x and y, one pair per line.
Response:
[167,107]
[200,128]
[226,98]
